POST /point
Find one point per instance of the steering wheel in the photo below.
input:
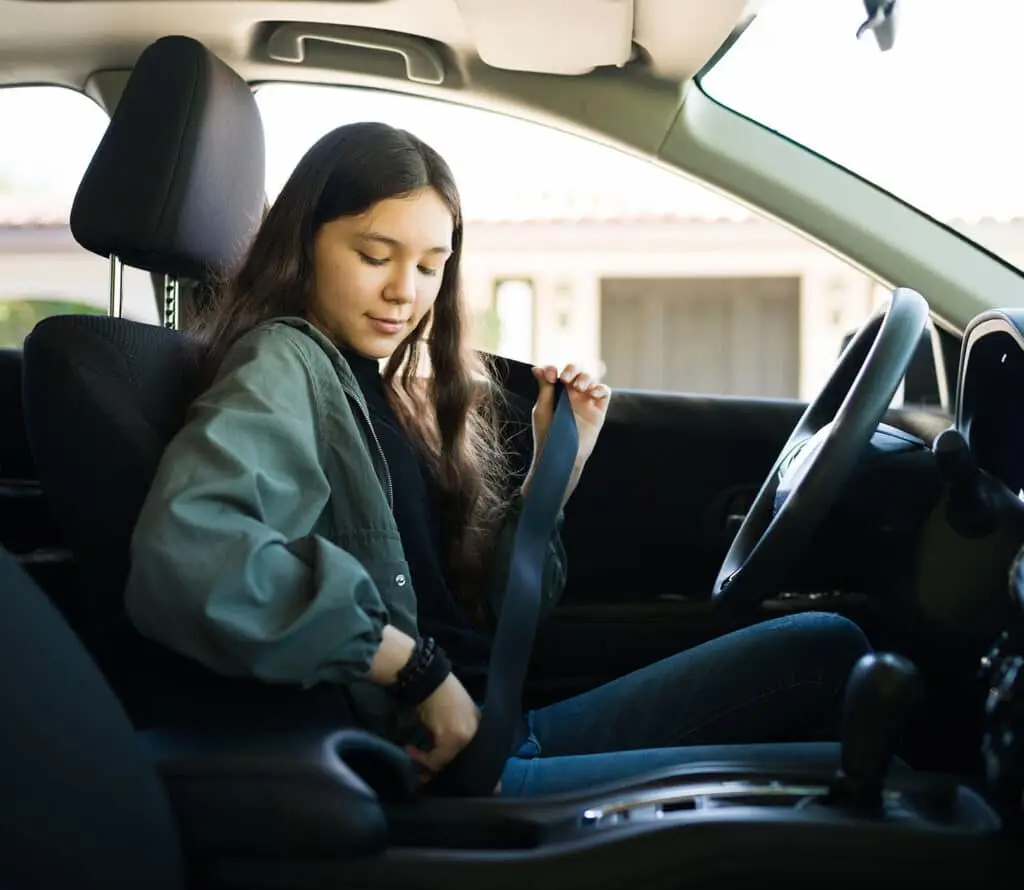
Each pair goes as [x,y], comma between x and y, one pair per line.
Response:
[820,454]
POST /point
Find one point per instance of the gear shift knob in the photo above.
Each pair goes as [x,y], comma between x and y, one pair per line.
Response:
[881,688]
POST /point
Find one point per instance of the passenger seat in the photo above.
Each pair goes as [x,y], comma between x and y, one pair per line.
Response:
[82,807]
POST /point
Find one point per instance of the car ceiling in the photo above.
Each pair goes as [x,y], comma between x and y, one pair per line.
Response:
[484,44]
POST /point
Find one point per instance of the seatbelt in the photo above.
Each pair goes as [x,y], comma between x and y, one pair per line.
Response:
[478,767]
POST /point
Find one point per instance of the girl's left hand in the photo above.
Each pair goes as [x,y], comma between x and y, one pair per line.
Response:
[589,401]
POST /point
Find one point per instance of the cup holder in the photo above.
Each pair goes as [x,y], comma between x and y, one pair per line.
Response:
[385,768]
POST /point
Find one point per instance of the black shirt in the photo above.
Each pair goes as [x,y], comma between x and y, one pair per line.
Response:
[418,516]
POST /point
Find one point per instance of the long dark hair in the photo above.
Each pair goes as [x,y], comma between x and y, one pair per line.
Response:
[452,416]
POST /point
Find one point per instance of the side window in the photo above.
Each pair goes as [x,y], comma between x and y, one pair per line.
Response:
[576,251]
[49,136]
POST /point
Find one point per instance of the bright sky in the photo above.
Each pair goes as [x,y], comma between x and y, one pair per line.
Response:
[936,120]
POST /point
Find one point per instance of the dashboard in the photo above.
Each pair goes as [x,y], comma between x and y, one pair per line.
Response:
[990,394]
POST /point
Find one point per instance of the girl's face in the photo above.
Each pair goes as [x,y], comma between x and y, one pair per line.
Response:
[377,274]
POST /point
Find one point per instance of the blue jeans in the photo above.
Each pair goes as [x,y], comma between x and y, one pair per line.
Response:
[778,681]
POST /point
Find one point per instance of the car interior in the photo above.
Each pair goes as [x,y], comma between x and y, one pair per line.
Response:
[125,765]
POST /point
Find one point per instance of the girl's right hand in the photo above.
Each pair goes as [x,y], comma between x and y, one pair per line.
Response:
[452,718]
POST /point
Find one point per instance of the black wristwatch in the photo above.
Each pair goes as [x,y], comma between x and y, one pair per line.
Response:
[426,669]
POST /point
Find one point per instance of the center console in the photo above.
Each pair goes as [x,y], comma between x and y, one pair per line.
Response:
[880,689]
[342,809]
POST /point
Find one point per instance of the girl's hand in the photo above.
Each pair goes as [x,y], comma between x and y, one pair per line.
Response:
[588,399]
[452,719]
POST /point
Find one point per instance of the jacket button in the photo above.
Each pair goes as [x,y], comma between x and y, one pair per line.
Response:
[400,580]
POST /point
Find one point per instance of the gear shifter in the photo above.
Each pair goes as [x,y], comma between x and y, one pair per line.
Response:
[969,511]
[881,688]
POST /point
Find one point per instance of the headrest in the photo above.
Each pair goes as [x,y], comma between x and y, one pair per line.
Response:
[176,185]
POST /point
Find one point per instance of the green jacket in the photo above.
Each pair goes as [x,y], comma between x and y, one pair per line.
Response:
[267,547]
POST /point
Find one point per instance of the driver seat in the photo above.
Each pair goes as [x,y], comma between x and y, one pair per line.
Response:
[176,187]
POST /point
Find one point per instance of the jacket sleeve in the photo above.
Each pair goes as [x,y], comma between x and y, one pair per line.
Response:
[224,565]
[554,572]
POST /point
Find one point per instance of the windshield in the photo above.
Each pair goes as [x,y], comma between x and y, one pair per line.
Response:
[936,120]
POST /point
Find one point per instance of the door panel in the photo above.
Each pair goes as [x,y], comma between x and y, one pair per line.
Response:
[646,531]
[647,528]
[649,516]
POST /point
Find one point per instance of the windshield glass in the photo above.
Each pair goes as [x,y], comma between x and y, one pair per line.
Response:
[936,120]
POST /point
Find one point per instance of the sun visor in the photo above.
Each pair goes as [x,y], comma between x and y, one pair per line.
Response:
[550,36]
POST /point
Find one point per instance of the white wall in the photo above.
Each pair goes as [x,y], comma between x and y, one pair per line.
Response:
[568,262]
[74,275]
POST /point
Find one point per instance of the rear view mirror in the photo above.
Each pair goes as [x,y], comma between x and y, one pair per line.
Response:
[881,22]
